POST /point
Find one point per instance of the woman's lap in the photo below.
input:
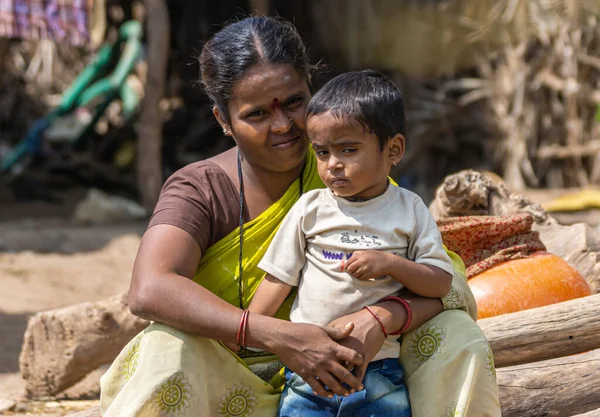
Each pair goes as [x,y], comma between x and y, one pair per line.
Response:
[449,357]
[164,370]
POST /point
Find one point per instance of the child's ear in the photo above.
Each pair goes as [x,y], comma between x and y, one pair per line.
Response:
[396,146]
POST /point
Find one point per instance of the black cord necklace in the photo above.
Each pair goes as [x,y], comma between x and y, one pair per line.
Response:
[241,225]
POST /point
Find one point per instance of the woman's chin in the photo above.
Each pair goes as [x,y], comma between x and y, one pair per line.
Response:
[289,158]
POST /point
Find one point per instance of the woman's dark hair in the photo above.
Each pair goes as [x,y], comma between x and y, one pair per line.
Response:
[367,96]
[242,44]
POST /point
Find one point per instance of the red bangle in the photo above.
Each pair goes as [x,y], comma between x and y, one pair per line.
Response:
[242,329]
[408,312]
[370,310]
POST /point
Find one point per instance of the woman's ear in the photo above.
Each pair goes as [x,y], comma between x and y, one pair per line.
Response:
[219,117]
[396,146]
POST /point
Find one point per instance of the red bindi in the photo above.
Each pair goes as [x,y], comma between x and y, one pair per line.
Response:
[275,104]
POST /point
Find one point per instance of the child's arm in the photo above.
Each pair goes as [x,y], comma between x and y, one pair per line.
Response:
[420,278]
[269,296]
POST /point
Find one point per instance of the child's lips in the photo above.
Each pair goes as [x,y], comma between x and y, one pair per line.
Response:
[339,182]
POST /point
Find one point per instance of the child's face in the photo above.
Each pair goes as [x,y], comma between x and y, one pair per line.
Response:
[349,159]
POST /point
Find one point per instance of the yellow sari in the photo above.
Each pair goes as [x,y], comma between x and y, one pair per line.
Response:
[166,372]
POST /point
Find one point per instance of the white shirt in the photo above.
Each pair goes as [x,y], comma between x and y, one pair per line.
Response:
[321,230]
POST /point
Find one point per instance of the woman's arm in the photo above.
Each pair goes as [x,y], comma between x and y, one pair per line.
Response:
[162,290]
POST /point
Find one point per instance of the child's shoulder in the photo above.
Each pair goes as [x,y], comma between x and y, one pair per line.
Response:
[408,197]
[309,200]
[312,195]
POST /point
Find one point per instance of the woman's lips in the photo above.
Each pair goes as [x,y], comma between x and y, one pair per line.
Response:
[287,143]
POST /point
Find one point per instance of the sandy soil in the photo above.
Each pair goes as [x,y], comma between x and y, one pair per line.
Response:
[46,264]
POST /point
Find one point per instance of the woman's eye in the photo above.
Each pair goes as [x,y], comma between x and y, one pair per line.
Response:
[256,113]
[294,102]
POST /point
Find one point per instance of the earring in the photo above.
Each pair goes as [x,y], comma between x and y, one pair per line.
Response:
[226,132]
[291,120]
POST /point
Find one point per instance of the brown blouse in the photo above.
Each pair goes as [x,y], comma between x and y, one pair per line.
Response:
[202,200]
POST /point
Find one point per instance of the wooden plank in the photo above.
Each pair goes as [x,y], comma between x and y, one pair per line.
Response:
[543,333]
[557,387]
[92,412]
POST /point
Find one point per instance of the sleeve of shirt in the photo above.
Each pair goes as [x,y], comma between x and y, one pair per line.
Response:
[285,257]
[425,246]
[184,203]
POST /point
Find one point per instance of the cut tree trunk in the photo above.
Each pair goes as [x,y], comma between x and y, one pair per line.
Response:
[557,387]
[62,346]
[150,125]
[543,333]
[593,413]
[92,412]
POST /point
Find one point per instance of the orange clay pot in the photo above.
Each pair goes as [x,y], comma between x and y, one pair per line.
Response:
[521,284]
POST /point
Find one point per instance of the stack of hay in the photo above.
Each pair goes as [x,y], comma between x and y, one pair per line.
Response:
[511,86]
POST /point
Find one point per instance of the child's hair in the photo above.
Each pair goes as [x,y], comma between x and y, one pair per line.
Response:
[369,97]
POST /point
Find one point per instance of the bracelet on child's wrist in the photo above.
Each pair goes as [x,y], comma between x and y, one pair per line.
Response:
[406,306]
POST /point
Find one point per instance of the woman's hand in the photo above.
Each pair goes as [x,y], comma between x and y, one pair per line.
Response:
[366,337]
[313,353]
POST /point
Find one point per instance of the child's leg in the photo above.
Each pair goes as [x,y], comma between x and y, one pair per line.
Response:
[385,393]
[298,400]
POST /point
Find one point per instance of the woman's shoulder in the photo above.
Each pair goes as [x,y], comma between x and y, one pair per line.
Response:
[201,199]
[199,173]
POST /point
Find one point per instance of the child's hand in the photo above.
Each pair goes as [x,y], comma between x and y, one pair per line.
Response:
[368,264]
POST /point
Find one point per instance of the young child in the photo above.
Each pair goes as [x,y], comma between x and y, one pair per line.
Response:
[356,241]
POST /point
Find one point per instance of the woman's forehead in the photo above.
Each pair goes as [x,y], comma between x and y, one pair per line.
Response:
[268,85]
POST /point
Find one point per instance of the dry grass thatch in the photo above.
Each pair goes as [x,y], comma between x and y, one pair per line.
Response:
[511,86]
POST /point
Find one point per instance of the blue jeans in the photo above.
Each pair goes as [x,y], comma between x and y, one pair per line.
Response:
[385,394]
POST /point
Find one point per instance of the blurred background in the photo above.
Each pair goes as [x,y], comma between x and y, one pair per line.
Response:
[100,102]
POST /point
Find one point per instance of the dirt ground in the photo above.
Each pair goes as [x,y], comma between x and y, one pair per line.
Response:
[50,263]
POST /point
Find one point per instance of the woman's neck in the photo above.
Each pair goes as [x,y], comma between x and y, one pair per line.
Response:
[271,184]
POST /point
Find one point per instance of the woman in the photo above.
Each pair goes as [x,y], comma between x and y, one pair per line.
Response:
[192,276]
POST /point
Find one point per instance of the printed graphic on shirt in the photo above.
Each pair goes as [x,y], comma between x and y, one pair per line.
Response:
[365,239]
[336,256]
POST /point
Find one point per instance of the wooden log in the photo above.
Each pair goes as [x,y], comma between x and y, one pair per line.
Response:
[62,346]
[543,333]
[593,413]
[150,126]
[92,412]
[557,387]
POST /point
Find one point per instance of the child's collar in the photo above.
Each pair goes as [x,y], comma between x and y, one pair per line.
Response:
[361,199]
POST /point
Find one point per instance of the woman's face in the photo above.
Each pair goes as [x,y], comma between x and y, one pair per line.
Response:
[266,117]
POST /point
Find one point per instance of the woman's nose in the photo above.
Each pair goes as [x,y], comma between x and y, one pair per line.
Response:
[282,123]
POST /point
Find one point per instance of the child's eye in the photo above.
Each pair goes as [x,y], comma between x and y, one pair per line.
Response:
[320,152]
[348,150]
